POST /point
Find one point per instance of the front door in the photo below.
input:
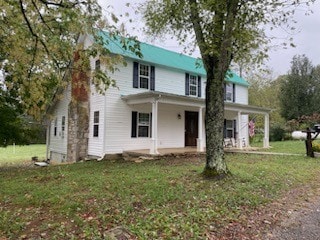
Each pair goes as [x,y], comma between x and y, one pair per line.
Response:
[191,128]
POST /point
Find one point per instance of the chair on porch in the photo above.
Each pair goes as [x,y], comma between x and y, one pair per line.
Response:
[229,142]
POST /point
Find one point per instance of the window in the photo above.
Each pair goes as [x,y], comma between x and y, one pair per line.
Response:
[97,65]
[193,85]
[144,76]
[229,128]
[63,125]
[55,127]
[143,124]
[229,92]
[96,124]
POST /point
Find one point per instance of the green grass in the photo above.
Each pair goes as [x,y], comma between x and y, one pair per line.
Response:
[165,199]
[21,154]
[294,146]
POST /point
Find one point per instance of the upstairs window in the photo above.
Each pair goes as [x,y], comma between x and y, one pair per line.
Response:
[193,85]
[143,76]
[229,92]
[96,124]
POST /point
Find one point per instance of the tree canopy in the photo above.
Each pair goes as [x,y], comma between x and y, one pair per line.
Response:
[225,31]
[38,39]
[300,90]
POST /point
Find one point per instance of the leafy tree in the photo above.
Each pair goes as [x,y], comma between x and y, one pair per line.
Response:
[16,127]
[264,91]
[37,41]
[224,31]
[300,91]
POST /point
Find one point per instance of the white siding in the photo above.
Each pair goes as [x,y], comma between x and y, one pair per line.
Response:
[58,143]
[97,103]
[118,124]
[115,113]
[167,80]
[170,128]
[241,94]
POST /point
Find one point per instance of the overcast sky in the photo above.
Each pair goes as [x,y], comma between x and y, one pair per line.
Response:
[306,38]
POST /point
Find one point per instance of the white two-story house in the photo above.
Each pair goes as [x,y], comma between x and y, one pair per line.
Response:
[159,103]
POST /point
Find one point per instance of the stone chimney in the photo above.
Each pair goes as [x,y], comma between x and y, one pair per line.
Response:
[78,110]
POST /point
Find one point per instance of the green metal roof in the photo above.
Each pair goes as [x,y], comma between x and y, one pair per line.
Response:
[160,56]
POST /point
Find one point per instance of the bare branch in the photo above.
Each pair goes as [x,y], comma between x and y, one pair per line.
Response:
[41,17]
[35,35]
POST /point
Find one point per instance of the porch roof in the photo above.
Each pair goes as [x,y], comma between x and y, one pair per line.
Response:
[169,98]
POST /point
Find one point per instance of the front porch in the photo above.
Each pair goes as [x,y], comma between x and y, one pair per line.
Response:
[176,122]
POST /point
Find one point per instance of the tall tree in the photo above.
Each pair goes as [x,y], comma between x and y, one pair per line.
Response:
[299,89]
[224,31]
[38,39]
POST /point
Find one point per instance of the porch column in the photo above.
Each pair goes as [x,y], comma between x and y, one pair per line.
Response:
[266,131]
[154,130]
[200,147]
[239,140]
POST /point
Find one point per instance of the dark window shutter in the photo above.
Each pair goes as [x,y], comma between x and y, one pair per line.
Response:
[234,129]
[225,128]
[225,91]
[135,74]
[134,124]
[199,86]
[152,78]
[234,93]
[187,84]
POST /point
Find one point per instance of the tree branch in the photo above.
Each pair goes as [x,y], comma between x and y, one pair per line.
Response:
[62,5]
[196,20]
[35,35]
[33,58]
[41,17]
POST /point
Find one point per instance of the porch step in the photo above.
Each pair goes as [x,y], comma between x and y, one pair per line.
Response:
[142,156]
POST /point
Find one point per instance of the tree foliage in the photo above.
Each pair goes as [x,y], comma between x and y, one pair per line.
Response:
[264,91]
[300,91]
[225,31]
[38,39]
[15,127]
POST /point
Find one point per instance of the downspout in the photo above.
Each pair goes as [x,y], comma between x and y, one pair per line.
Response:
[48,139]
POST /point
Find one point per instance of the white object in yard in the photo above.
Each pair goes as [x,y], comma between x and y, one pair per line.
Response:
[41,164]
[301,135]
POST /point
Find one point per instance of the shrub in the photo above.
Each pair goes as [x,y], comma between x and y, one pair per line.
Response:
[316,146]
[277,133]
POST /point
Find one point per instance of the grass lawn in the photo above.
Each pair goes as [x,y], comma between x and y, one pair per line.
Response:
[21,154]
[164,199]
[293,146]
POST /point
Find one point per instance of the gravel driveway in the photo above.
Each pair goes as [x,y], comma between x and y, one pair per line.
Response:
[301,224]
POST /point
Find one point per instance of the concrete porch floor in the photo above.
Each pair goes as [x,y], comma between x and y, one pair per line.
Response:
[180,151]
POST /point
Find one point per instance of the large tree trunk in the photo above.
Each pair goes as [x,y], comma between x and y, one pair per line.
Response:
[215,162]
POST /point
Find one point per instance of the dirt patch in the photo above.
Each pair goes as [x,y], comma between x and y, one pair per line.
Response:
[266,221]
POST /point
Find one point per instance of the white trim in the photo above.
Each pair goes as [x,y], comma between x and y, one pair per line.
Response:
[266,131]
[154,139]
[200,147]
